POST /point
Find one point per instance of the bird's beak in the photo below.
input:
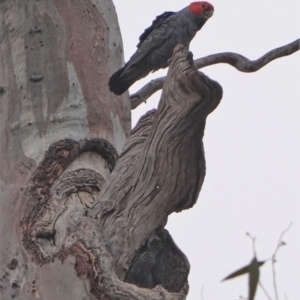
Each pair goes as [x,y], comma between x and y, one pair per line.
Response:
[209,13]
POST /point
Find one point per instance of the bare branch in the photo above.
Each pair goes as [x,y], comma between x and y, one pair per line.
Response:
[244,64]
[202,292]
[264,290]
[286,297]
[279,244]
[238,61]
[147,184]
[146,92]
[253,239]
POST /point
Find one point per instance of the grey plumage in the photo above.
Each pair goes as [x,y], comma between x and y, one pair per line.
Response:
[158,42]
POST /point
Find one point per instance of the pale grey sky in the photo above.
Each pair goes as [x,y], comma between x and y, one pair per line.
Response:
[252,146]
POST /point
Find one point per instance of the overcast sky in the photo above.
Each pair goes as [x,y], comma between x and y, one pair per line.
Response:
[252,146]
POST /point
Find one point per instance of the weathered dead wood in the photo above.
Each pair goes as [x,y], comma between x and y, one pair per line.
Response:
[152,179]
[55,225]
[56,57]
[51,187]
[236,60]
[163,179]
[166,265]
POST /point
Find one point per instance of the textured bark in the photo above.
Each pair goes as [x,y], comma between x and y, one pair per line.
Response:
[120,238]
[77,221]
[163,179]
[55,59]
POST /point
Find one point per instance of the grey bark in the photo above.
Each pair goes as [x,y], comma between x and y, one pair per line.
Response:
[83,201]
[63,185]
[80,218]
[55,58]
[62,132]
[112,224]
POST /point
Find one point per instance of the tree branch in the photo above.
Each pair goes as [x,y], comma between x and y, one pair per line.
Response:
[160,178]
[153,178]
[238,61]
[274,258]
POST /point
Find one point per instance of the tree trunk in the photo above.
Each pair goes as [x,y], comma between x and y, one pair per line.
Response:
[80,218]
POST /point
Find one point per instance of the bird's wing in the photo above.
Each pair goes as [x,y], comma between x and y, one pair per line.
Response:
[152,38]
[156,23]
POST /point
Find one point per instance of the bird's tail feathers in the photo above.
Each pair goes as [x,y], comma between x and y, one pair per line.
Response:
[117,82]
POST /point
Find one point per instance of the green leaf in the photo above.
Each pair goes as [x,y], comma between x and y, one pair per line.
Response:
[253,277]
[242,271]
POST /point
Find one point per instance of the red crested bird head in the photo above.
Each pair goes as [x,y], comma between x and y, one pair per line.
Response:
[201,8]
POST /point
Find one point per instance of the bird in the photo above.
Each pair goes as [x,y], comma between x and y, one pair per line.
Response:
[157,42]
